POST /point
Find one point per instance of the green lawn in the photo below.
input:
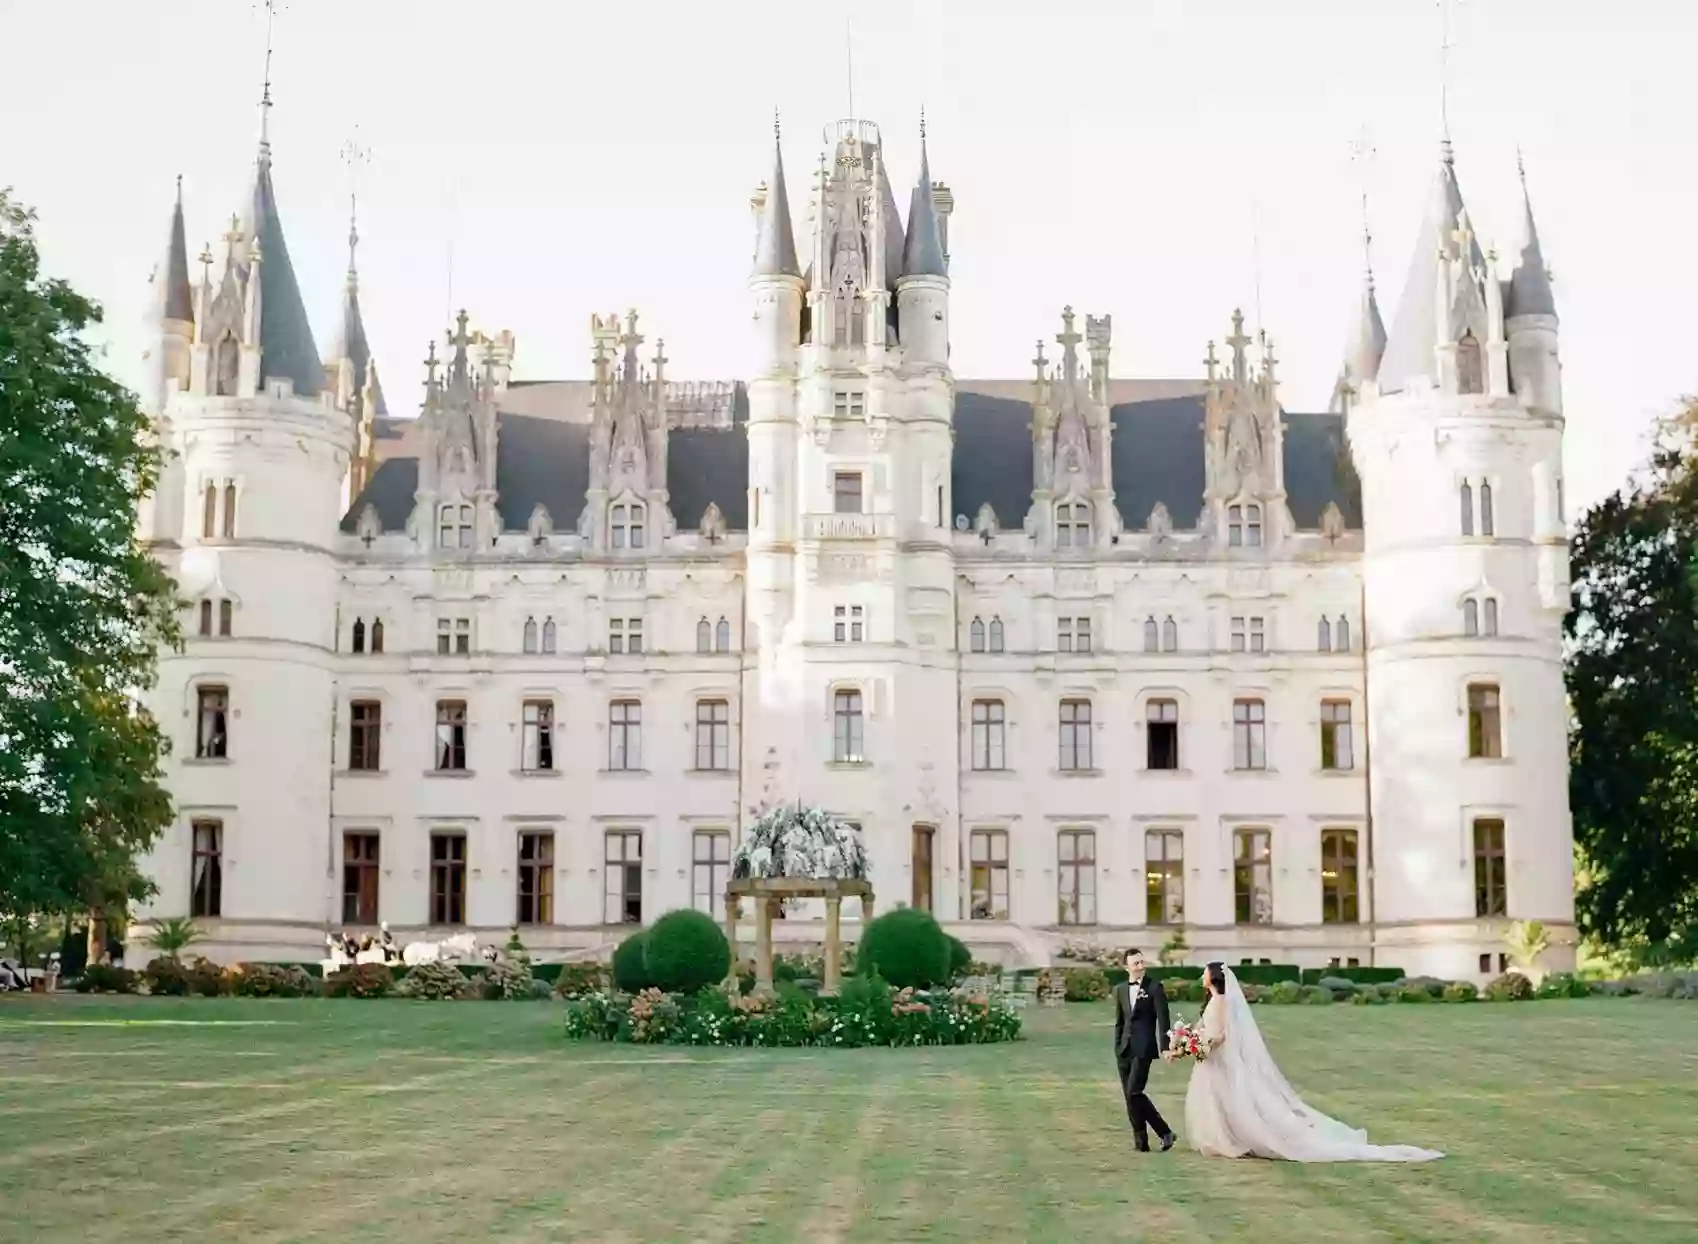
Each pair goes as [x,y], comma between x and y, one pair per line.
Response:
[139,1120]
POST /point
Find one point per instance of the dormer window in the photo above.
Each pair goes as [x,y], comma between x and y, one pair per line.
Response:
[1470,371]
[1073,525]
[1244,526]
[628,522]
[454,527]
[848,404]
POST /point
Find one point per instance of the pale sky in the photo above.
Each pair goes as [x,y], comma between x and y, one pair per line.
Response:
[1123,157]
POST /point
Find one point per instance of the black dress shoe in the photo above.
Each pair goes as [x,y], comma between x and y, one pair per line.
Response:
[1142,1146]
[1168,1141]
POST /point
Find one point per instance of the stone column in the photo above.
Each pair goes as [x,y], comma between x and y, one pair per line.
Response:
[731,911]
[763,944]
[833,943]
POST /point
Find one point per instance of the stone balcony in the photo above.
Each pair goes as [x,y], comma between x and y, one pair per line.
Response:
[848,526]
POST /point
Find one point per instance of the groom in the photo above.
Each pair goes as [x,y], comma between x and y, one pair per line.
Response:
[1140,1034]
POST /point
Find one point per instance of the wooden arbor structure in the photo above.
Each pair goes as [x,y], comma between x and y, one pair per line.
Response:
[768,892]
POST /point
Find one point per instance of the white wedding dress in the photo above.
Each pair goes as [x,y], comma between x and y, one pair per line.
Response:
[1240,1106]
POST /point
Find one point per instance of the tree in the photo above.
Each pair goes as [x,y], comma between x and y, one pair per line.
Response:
[1632,662]
[84,608]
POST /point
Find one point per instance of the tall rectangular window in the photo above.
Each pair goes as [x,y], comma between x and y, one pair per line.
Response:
[1075,736]
[848,738]
[209,512]
[1164,876]
[1485,726]
[450,736]
[536,878]
[1252,876]
[988,880]
[1249,735]
[625,735]
[710,871]
[990,727]
[229,511]
[1337,738]
[846,492]
[624,877]
[849,624]
[206,878]
[921,862]
[226,615]
[212,738]
[537,751]
[1491,881]
[365,736]
[713,735]
[1161,734]
[361,864]
[448,878]
[1076,877]
[1339,877]
[625,636]
[206,618]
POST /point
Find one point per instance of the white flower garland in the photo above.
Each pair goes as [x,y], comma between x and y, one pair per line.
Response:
[792,841]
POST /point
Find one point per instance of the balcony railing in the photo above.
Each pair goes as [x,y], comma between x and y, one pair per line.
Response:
[848,526]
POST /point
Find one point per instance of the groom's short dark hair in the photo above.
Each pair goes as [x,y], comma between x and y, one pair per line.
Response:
[1133,951]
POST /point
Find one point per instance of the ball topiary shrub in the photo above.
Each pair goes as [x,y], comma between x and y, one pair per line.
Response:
[363,980]
[1368,995]
[168,978]
[1564,985]
[434,982]
[686,951]
[960,958]
[630,965]
[1284,992]
[1315,995]
[1510,987]
[1085,984]
[1460,991]
[907,948]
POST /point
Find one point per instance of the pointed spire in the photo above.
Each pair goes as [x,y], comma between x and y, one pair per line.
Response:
[286,342]
[1529,291]
[775,247]
[175,295]
[1365,349]
[922,249]
[1410,348]
[351,342]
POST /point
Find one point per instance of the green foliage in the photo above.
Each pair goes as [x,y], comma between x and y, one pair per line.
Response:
[1266,973]
[1356,976]
[577,979]
[686,951]
[207,979]
[173,936]
[84,609]
[1526,941]
[509,980]
[1085,984]
[1173,950]
[630,965]
[1185,989]
[435,982]
[1510,987]
[960,958]
[271,980]
[104,978]
[1632,664]
[1460,991]
[906,947]
[1314,995]
[1411,991]
[167,978]
[1367,995]
[1283,992]
[1563,985]
[363,980]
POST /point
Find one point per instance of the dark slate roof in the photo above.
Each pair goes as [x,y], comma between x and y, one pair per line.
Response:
[285,337]
[1158,456]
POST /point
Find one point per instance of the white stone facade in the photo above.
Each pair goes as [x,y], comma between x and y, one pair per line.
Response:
[1070,722]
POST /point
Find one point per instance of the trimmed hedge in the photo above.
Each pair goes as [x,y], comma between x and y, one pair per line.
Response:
[631,964]
[1356,976]
[906,947]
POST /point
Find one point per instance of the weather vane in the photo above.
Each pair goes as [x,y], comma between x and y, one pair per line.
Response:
[1362,153]
[355,156]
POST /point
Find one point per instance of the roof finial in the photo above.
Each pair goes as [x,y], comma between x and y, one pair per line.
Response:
[922,123]
[265,94]
[1520,166]
[849,58]
[777,129]
[354,156]
[1362,153]
[1445,46]
[179,189]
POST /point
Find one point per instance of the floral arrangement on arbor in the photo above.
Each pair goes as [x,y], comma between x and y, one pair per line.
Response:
[793,841]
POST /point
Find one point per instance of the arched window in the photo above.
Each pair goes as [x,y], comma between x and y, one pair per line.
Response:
[377,635]
[722,636]
[1323,636]
[1487,526]
[209,512]
[228,366]
[1470,374]
[628,524]
[1170,636]
[229,511]
[226,614]
[1470,617]
[454,527]
[1467,508]
[976,635]
[1152,638]
[530,635]
[996,635]
[1341,635]
[548,635]
[1072,525]
[704,636]
[1491,627]
[359,636]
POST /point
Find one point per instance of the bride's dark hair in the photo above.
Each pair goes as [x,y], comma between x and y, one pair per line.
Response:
[1216,975]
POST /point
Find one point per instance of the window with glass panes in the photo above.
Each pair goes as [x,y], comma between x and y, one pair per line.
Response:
[849,725]
[624,877]
[1338,750]
[1075,736]
[1076,876]
[1491,883]
[1339,877]
[538,748]
[625,735]
[450,736]
[988,878]
[713,734]
[448,878]
[710,871]
[536,878]
[1252,876]
[1164,876]
[1161,734]
[1249,735]
[365,735]
[361,863]
[206,877]
[989,735]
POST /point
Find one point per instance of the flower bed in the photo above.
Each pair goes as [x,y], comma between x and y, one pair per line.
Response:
[867,1012]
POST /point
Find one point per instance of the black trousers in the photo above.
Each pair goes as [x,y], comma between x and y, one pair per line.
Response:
[1140,1110]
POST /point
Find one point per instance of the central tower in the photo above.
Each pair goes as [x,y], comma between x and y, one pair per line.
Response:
[852,689]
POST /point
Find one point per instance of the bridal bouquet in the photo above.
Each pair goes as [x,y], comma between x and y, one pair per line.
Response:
[1185,1041]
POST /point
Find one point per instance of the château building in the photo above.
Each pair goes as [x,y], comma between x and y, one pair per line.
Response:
[1084,657]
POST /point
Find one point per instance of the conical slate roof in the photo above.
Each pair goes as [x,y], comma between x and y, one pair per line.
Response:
[775,246]
[176,296]
[1367,346]
[922,249]
[1529,291]
[1409,352]
[285,336]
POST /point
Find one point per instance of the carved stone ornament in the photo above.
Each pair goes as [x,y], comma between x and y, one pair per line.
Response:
[541,526]
[368,526]
[986,524]
[1332,521]
[713,524]
[1160,522]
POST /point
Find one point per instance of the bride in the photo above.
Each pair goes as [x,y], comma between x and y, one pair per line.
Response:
[1239,1105]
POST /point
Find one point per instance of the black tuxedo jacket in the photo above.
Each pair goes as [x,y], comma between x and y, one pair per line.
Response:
[1140,1029]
